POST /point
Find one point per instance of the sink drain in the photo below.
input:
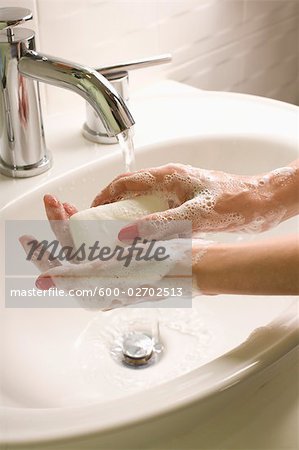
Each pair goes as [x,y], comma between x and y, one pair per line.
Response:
[136,349]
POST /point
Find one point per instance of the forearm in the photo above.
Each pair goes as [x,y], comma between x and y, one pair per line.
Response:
[268,267]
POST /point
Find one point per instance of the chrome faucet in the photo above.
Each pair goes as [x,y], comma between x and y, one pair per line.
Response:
[23,152]
[94,129]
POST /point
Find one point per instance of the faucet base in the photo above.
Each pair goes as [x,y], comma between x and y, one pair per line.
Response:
[28,171]
[98,137]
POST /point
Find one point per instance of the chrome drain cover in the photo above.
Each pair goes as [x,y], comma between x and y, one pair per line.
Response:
[137,348]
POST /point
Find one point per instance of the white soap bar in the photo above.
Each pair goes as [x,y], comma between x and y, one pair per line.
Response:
[104,222]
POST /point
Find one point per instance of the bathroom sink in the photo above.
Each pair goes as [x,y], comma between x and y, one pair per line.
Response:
[58,379]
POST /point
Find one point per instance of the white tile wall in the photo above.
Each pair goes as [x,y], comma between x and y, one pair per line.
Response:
[246,46]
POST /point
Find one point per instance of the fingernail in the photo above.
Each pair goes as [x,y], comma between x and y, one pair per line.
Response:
[23,241]
[50,199]
[128,234]
[44,283]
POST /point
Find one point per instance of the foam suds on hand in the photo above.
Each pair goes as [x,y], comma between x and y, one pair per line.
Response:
[96,279]
[193,195]
[282,175]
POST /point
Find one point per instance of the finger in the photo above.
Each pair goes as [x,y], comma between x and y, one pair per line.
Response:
[70,209]
[100,199]
[68,276]
[161,225]
[171,178]
[45,282]
[58,215]
[86,279]
[90,281]
[41,260]
[54,208]
[125,186]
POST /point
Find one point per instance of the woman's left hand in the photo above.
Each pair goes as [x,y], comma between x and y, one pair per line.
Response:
[96,277]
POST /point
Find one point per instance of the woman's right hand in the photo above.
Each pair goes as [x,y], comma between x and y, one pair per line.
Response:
[211,200]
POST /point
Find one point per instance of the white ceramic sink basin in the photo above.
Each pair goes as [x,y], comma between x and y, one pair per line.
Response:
[58,379]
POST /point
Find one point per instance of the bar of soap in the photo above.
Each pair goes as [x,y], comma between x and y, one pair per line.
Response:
[103,223]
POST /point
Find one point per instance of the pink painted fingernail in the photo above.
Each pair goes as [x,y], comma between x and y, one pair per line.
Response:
[44,283]
[128,234]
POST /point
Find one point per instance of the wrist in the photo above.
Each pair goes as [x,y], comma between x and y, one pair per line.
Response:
[279,189]
[207,268]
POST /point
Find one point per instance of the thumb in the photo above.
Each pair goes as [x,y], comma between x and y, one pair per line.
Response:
[161,225]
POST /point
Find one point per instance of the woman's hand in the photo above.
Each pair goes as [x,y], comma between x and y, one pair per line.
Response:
[147,265]
[211,200]
[137,276]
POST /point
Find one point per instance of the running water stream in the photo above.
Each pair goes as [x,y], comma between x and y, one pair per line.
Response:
[132,326]
[126,143]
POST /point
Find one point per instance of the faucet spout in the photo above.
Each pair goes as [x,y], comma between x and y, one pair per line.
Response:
[85,81]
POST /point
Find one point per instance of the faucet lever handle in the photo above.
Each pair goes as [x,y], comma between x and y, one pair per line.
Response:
[136,64]
[12,16]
